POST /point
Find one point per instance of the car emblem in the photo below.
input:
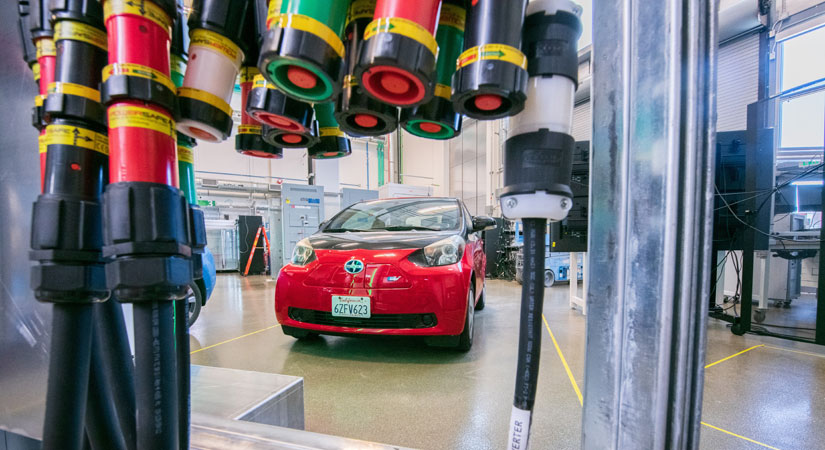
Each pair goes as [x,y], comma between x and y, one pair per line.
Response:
[354,266]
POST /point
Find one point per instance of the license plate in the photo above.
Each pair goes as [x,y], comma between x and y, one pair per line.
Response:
[350,306]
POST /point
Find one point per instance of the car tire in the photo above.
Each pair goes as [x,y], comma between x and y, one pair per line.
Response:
[194,301]
[465,339]
[299,333]
[549,278]
[480,304]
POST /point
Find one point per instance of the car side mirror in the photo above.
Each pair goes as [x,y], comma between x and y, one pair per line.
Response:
[483,223]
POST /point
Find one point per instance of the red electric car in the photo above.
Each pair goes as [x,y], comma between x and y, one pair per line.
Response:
[404,266]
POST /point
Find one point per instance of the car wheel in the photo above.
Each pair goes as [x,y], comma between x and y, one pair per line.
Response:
[194,301]
[480,303]
[299,333]
[549,278]
[465,339]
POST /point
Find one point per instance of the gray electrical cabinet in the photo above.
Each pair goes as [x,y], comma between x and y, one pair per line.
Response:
[302,211]
[350,196]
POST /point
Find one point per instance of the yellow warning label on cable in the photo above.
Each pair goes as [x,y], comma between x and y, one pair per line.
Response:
[350,81]
[330,131]
[273,13]
[140,117]
[60,87]
[215,41]
[249,73]
[177,64]
[258,81]
[361,9]
[142,8]
[310,25]
[77,31]
[249,129]
[36,71]
[78,137]
[499,52]
[404,27]
[137,70]
[206,97]
[39,99]
[185,154]
[45,47]
[41,143]
[452,16]
[443,91]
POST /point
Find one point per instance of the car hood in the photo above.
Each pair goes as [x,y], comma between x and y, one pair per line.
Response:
[375,240]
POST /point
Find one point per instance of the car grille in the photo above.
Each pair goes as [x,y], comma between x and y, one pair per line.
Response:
[376,321]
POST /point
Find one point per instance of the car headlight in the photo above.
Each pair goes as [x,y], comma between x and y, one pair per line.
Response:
[303,253]
[444,252]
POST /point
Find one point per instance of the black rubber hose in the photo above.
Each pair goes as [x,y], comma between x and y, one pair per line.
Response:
[110,334]
[182,352]
[530,329]
[68,376]
[155,376]
[102,426]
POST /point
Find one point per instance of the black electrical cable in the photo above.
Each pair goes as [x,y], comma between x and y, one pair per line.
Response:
[110,335]
[182,358]
[530,329]
[102,426]
[68,383]
[155,376]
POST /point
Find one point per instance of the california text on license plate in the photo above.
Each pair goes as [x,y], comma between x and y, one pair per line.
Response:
[350,306]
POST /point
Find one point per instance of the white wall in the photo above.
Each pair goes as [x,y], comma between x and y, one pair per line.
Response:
[422,163]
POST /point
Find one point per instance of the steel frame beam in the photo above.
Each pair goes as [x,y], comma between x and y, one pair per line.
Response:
[654,115]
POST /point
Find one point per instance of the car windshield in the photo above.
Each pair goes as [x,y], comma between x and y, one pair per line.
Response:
[398,215]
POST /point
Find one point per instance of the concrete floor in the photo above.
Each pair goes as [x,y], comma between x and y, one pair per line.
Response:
[398,391]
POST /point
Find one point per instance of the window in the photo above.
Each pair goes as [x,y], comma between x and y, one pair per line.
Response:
[802,96]
[801,59]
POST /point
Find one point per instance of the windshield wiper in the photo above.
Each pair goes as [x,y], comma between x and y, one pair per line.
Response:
[341,230]
[406,228]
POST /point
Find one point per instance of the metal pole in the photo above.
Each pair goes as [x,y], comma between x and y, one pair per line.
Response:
[654,120]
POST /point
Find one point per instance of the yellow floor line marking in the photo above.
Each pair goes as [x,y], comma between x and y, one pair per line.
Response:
[233,339]
[564,362]
[739,436]
[795,351]
[734,355]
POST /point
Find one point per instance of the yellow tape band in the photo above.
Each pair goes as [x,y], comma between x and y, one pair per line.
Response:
[137,70]
[404,27]
[39,99]
[45,47]
[350,81]
[142,8]
[499,52]
[185,154]
[452,16]
[140,117]
[41,143]
[258,81]
[443,91]
[249,129]
[361,9]
[330,131]
[78,137]
[206,97]
[310,25]
[36,71]
[59,87]
[177,64]
[249,73]
[215,41]
[77,31]
[273,12]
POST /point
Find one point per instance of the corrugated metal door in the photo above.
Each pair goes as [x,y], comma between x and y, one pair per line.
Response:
[738,82]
